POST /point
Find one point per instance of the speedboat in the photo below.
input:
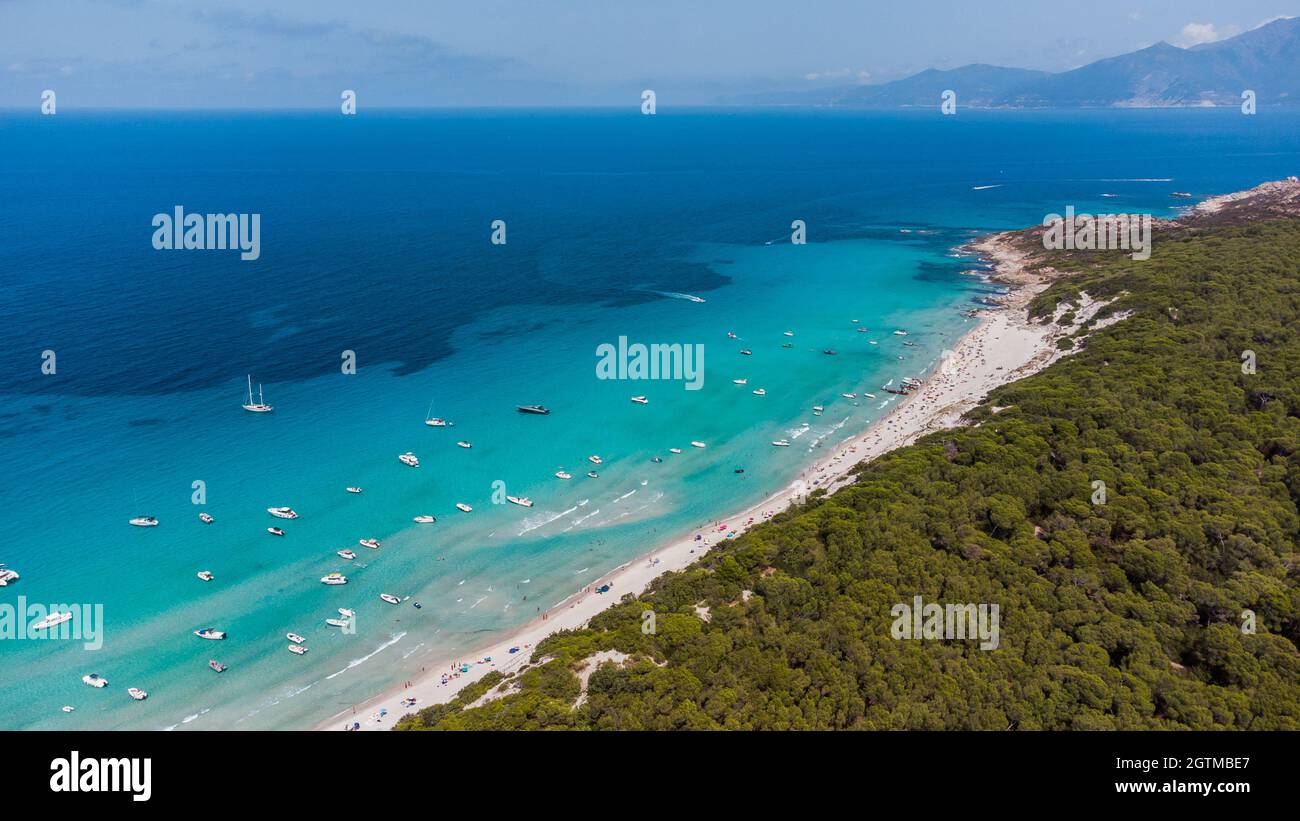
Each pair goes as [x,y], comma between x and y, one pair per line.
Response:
[144,521]
[641,400]
[390,598]
[674,450]
[275,531]
[862,329]
[541,410]
[337,622]
[698,444]
[746,352]
[849,395]
[463,508]
[283,512]
[656,459]
[295,638]
[345,553]
[67,708]
[373,544]
[217,667]
[136,693]
[732,335]
[522,501]
[829,352]
[595,460]
[409,459]
[354,490]
[591,474]
[206,518]
[561,474]
[346,613]
[297,649]
[868,396]
[210,633]
[260,405]
[789,333]
[94,680]
[7,575]
[463,444]
[425,520]
[780,443]
[334,578]
[818,408]
[740,381]
[900,333]
[52,620]
[205,575]
[760,392]
[873,342]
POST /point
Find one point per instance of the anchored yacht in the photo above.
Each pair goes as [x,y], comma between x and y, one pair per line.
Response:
[373,544]
[562,474]
[7,575]
[334,578]
[52,620]
[541,410]
[347,554]
[282,512]
[409,459]
[259,406]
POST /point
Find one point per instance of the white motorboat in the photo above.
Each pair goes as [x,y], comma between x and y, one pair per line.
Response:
[760,392]
[425,520]
[52,620]
[216,666]
[849,395]
[789,333]
[260,405]
[275,531]
[436,423]
[463,444]
[591,474]
[868,396]
[334,578]
[698,445]
[818,408]
[641,400]
[900,333]
[740,381]
[7,575]
[780,443]
[136,693]
[297,649]
[67,708]
[94,680]
[347,554]
[295,638]
[463,508]
[595,460]
[210,633]
[409,459]
[674,450]
[390,598]
[346,613]
[144,521]
[283,512]
[562,474]
[205,575]
[206,518]
[354,490]
[373,544]
[337,622]
[522,501]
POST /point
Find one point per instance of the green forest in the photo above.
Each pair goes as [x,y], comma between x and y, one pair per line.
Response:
[1122,615]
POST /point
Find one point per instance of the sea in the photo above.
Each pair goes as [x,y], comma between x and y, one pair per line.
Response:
[379,298]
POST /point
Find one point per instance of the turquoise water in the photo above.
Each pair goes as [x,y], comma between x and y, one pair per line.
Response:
[375,240]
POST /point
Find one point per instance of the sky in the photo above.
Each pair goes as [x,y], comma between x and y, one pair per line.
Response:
[417,53]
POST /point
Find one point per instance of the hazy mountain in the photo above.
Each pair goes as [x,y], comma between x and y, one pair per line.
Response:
[1265,60]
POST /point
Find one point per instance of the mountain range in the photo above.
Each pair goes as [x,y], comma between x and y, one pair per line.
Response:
[1265,60]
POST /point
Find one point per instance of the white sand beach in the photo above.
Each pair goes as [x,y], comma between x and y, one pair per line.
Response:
[1003,346]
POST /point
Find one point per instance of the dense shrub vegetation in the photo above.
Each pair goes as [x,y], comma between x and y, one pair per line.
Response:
[1122,615]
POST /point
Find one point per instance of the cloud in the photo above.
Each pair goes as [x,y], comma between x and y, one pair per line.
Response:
[1194,34]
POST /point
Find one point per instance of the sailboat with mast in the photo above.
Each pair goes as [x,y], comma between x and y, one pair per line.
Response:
[259,406]
[434,421]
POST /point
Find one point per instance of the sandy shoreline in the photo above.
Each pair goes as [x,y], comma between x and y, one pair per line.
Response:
[1002,347]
